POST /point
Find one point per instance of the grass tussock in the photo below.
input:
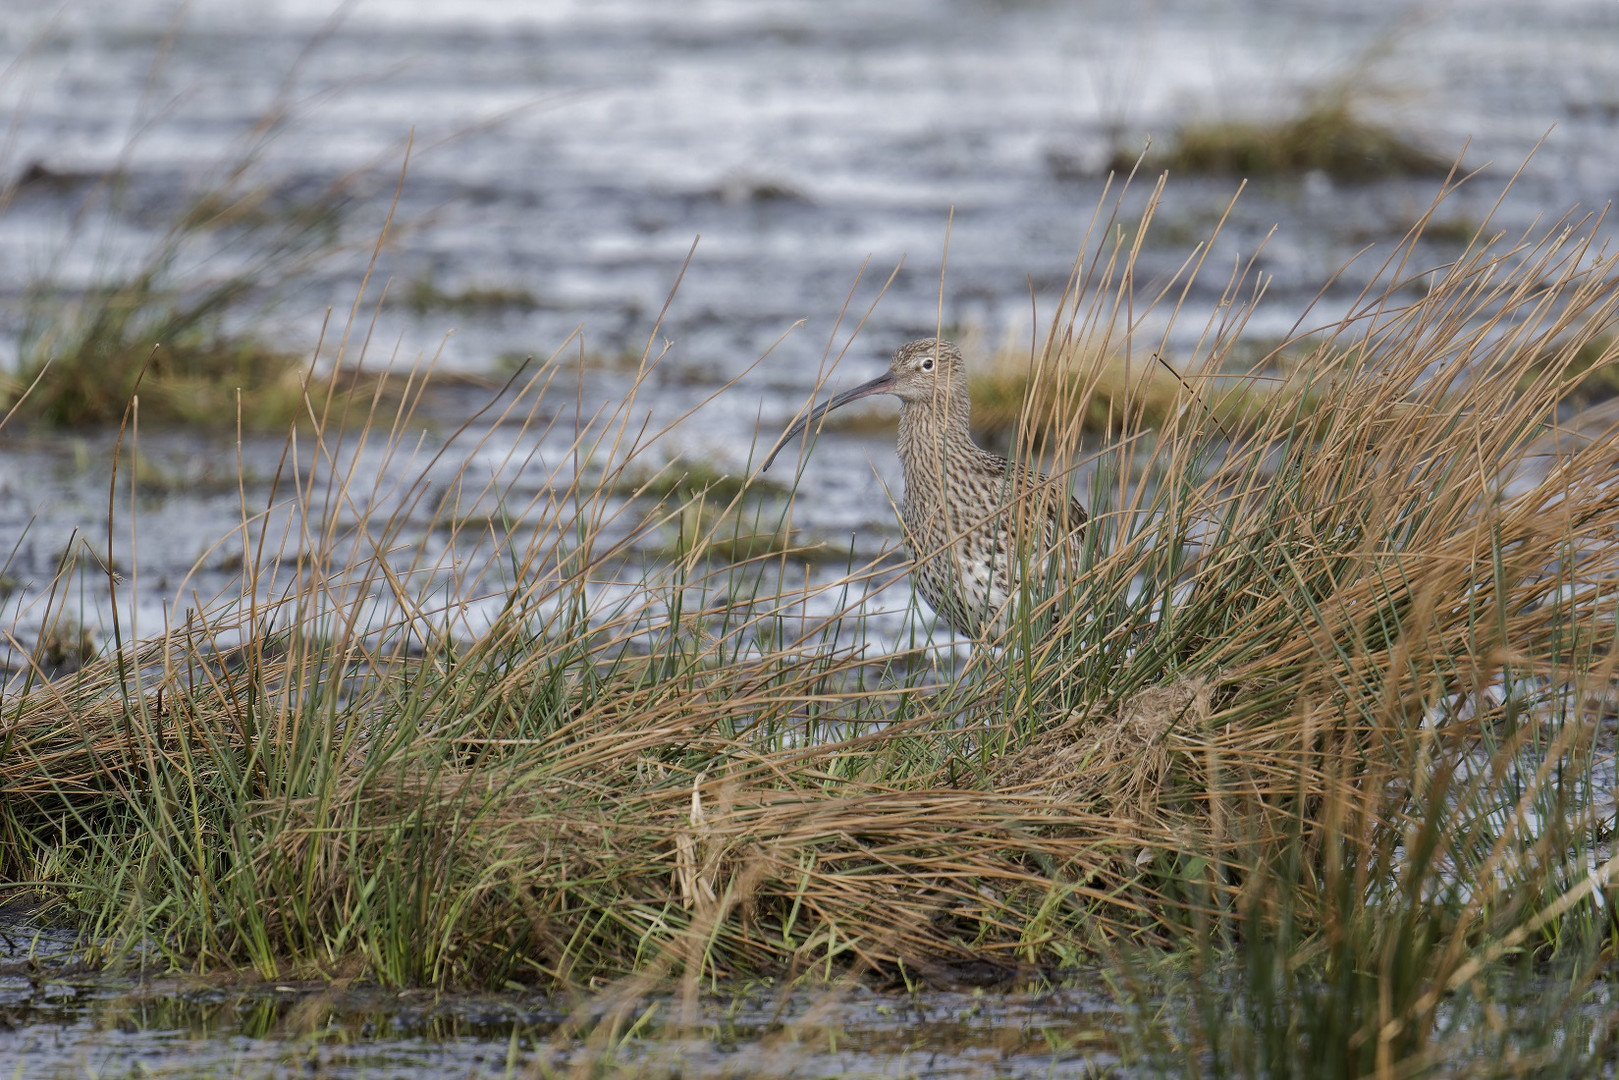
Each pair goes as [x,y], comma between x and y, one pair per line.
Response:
[86,351]
[425,296]
[1351,724]
[1122,392]
[707,513]
[196,380]
[1329,134]
[87,354]
[183,321]
[1328,137]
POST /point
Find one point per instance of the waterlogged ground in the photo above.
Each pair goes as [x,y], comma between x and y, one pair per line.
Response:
[564,160]
[178,1027]
[59,1020]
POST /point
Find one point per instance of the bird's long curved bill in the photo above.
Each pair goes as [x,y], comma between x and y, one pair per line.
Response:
[880,385]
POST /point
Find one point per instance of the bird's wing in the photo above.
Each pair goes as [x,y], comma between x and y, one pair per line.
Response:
[1077,517]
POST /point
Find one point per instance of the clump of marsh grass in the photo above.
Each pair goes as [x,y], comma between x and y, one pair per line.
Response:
[182,320]
[1123,391]
[1329,133]
[1097,375]
[199,379]
[1407,763]
[711,513]
[1328,136]
[173,336]
[425,295]
[1349,704]
[684,477]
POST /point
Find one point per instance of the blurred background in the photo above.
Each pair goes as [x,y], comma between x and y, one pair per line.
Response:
[215,177]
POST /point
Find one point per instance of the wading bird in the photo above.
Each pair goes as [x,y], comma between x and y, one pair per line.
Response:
[985,534]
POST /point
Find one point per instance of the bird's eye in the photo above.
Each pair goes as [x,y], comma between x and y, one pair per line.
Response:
[927,363]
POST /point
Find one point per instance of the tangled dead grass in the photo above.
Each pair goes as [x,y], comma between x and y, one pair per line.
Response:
[1117,756]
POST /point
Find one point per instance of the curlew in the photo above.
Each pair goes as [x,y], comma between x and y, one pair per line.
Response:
[984,533]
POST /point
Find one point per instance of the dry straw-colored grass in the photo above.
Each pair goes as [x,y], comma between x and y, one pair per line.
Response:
[1117,756]
[1360,621]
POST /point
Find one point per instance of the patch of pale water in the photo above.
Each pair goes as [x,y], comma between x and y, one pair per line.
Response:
[574,152]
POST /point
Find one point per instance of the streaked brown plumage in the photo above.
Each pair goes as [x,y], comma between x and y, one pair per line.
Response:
[975,523]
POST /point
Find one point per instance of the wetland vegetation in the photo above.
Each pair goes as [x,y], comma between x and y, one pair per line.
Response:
[1327,136]
[1343,769]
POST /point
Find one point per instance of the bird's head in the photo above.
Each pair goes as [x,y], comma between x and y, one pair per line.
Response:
[926,373]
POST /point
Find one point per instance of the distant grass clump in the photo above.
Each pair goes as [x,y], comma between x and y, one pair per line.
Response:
[709,531]
[709,514]
[425,295]
[191,376]
[1329,137]
[1094,376]
[89,350]
[1328,134]
[1112,393]
[1345,751]
[688,476]
[192,337]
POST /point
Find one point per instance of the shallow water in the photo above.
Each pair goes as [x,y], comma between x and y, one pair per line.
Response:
[573,153]
[178,1027]
[58,1020]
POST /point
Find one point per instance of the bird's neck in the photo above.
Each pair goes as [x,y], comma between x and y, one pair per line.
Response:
[931,434]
